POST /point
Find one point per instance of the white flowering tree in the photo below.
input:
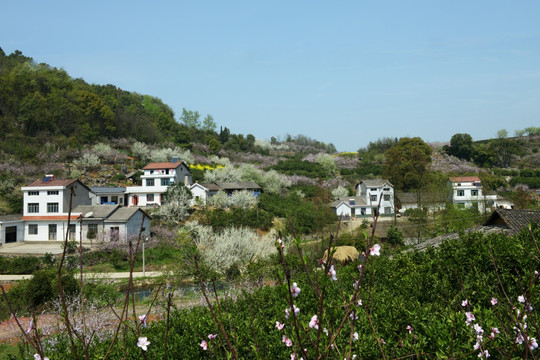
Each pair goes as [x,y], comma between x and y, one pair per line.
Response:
[231,246]
[166,155]
[177,204]
[339,192]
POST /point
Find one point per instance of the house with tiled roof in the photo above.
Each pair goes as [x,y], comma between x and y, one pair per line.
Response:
[156,180]
[513,221]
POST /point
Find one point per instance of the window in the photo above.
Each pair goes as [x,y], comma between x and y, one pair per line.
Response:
[386,197]
[92,231]
[386,189]
[373,189]
[33,208]
[103,199]
[164,182]
[32,229]
[373,198]
[150,197]
[474,192]
[72,229]
[52,231]
[114,199]
[387,210]
[52,207]
[33,193]
[461,193]
[52,192]
[149,182]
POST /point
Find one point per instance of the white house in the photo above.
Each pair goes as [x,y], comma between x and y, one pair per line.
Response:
[467,191]
[46,207]
[156,180]
[373,197]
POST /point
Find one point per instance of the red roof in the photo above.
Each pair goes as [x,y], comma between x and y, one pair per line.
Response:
[53,182]
[162,165]
[465,179]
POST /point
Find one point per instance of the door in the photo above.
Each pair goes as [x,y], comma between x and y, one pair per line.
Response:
[11,234]
[52,231]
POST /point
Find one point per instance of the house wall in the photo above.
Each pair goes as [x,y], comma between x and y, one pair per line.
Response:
[199,194]
[343,210]
[43,230]
[129,229]
[386,206]
[96,198]
[81,197]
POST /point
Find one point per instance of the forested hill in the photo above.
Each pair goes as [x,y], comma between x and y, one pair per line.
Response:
[45,104]
[40,105]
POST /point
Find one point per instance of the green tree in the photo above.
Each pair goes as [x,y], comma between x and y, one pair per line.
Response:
[190,118]
[461,146]
[407,163]
[208,123]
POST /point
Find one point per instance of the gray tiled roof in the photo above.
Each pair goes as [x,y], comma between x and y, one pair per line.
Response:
[515,220]
[124,214]
[352,201]
[107,189]
[98,211]
[375,182]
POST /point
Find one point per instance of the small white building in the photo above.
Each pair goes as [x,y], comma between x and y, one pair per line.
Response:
[155,181]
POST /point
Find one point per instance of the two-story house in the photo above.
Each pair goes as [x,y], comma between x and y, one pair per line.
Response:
[156,180]
[46,208]
[467,191]
[373,197]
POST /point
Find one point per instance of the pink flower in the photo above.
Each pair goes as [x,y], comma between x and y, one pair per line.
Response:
[212,336]
[519,339]
[281,244]
[532,344]
[142,319]
[287,311]
[295,290]
[332,273]
[325,330]
[359,303]
[484,354]
[143,343]
[464,303]
[37,357]
[410,328]
[478,329]
[314,323]
[279,325]
[355,336]
[286,340]
[494,301]
[470,317]
[353,316]
[375,250]
[360,267]
[521,298]
[204,345]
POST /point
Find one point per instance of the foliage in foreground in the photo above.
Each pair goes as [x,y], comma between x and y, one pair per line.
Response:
[411,304]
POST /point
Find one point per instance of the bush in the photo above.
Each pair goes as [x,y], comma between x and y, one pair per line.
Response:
[394,235]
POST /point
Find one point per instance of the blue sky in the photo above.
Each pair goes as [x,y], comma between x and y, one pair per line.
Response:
[345,72]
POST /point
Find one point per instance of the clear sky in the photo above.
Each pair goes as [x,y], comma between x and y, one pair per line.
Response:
[345,72]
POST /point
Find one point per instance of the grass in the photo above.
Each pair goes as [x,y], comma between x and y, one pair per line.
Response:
[8,351]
